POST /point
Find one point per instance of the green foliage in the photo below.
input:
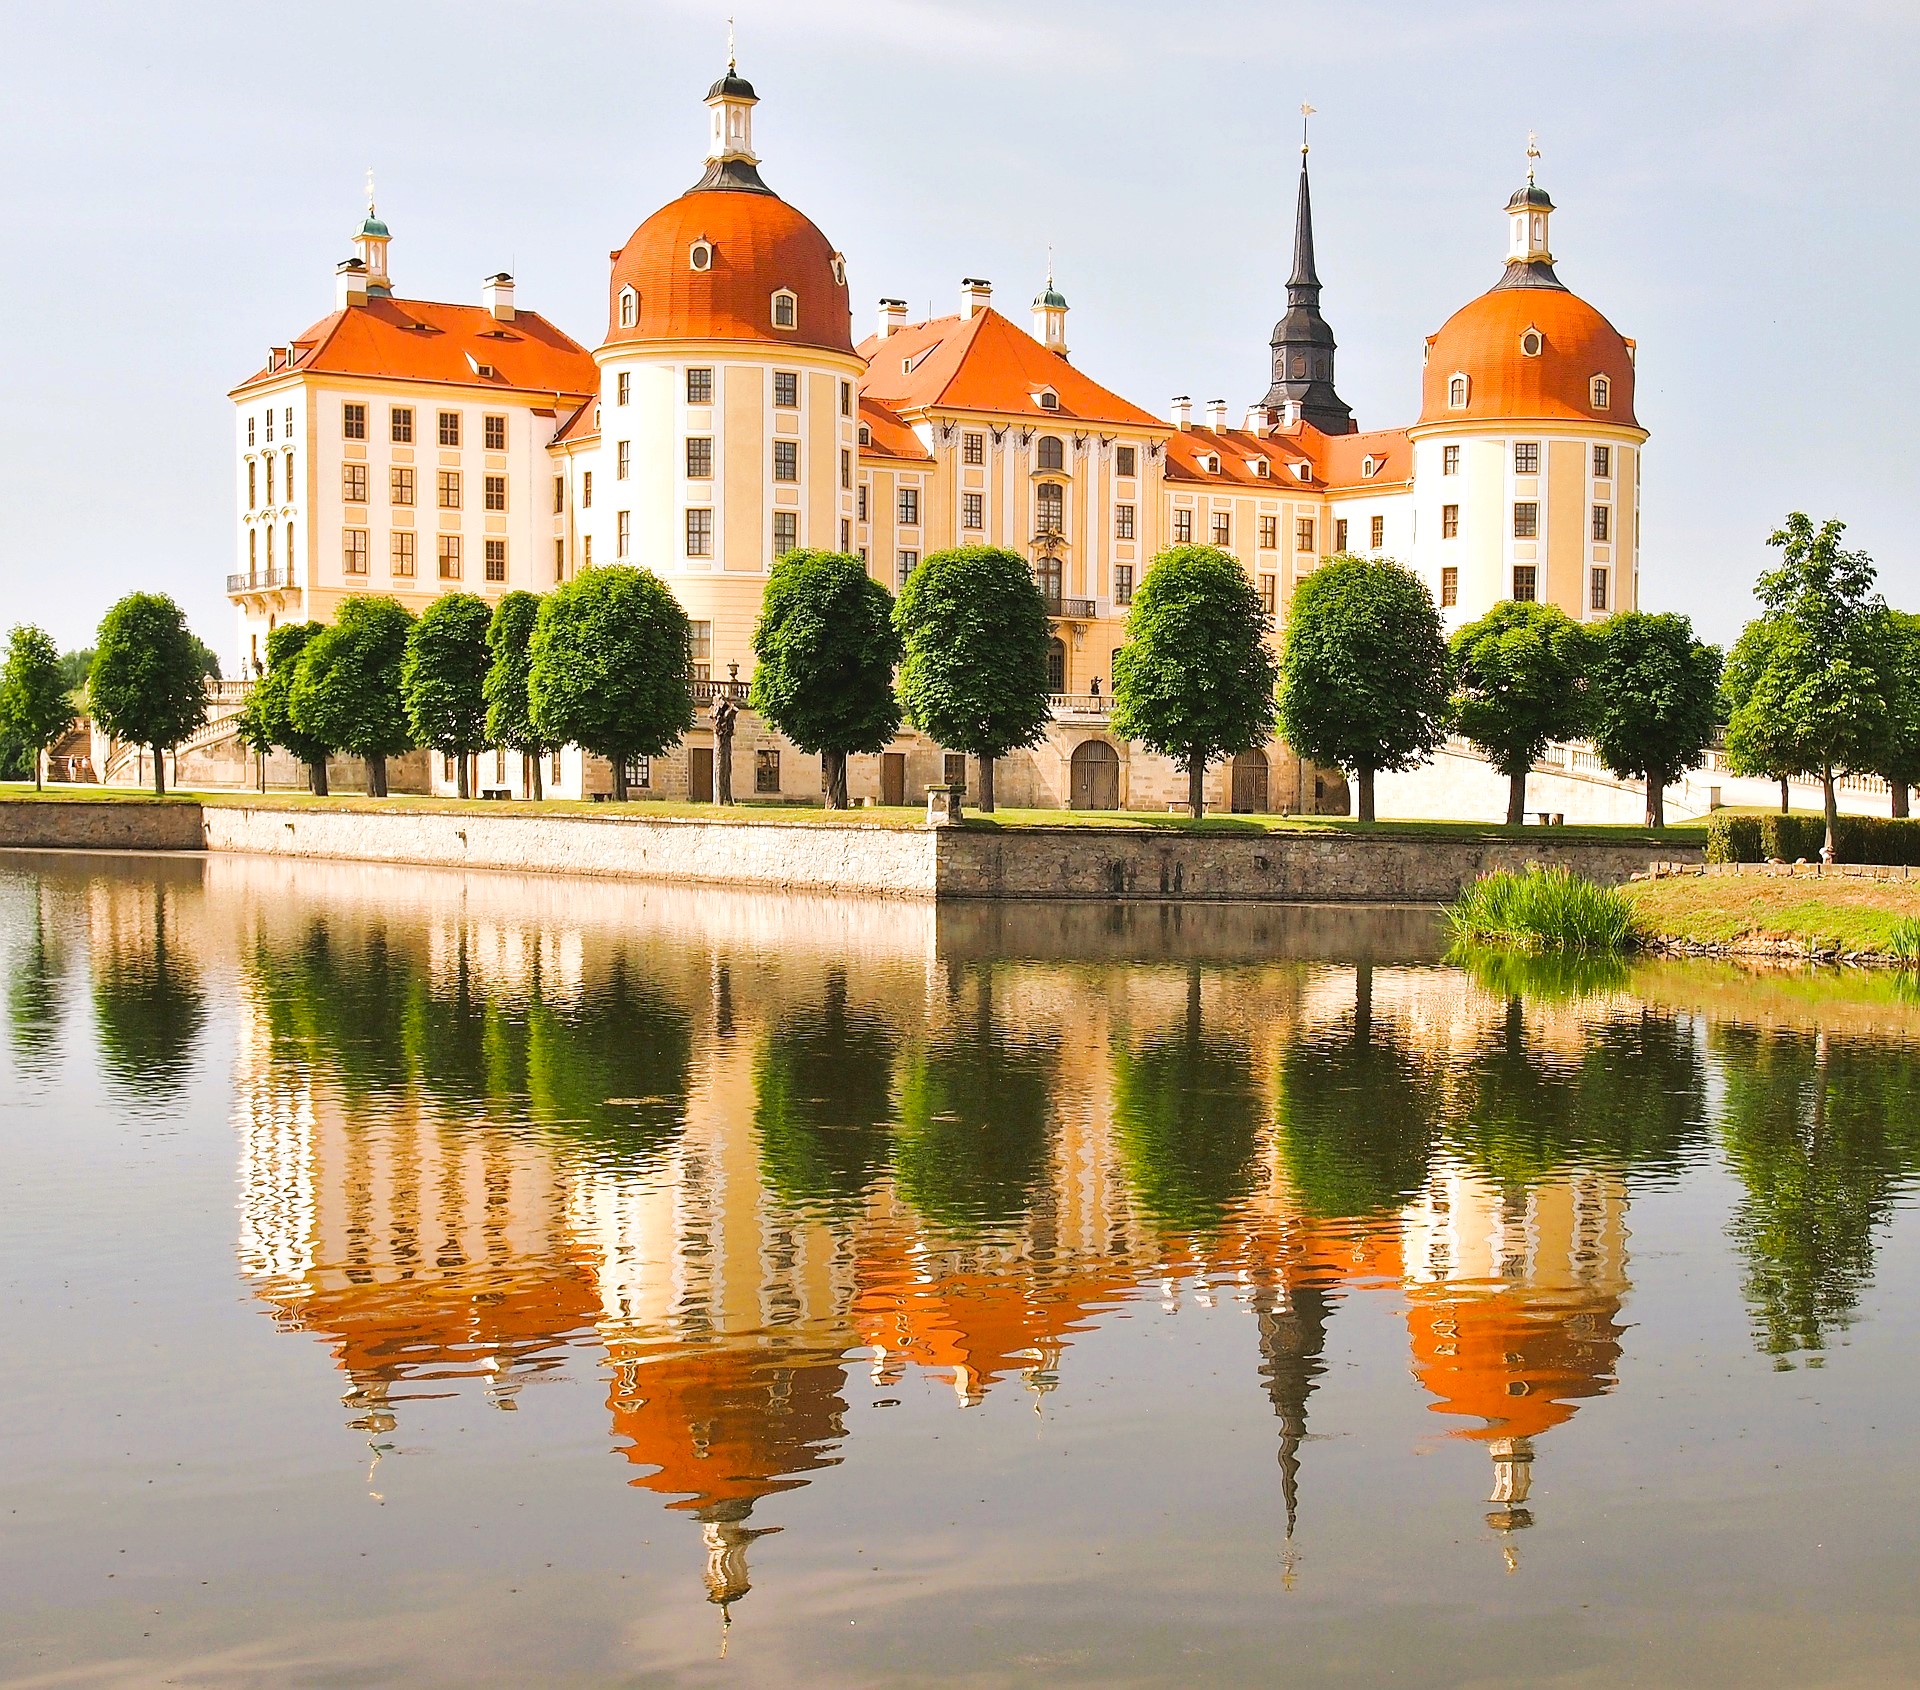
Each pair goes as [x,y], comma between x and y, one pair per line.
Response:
[973,626]
[347,686]
[1541,976]
[1520,672]
[1793,839]
[1195,678]
[1652,692]
[34,707]
[825,648]
[1546,909]
[610,666]
[443,677]
[1896,638]
[266,719]
[1903,943]
[148,1005]
[509,668]
[206,657]
[75,666]
[1363,673]
[1759,745]
[147,685]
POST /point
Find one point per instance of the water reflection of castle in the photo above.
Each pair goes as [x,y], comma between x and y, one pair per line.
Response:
[740,1170]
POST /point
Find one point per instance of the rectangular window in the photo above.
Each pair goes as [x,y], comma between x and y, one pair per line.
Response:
[1269,533]
[493,434]
[846,535]
[360,408]
[353,483]
[250,430]
[586,489]
[449,489]
[622,533]
[1123,460]
[766,769]
[449,557]
[353,550]
[1526,457]
[1597,589]
[623,460]
[1603,522]
[786,460]
[1303,535]
[786,532]
[623,387]
[400,556]
[953,768]
[1377,533]
[846,399]
[699,387]
[640,773]
[1526,583]
[269,534]
[699,533]
[1449,460]
[1449,522]
[1123,522]
[786,388]
[699,457]
[906,564]
[1222,528]
[267,463]
[289,421]
[973,448]
[253,487]
[1340,534]
[559,494]
[559,560]
[1183,528]
[1270,594]
[973,510]
[1123,583]
[1449,587]
[494,492]
[449,428]
[1526,520]
[353,422]
[846,467]
[586,551]
[400,425]
[910,505]
[496,560]
[1602,462]
[860,502]
[400,484]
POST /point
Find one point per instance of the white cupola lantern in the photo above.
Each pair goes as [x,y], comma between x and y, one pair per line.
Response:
[730,133]
[1528,213]
[370,247]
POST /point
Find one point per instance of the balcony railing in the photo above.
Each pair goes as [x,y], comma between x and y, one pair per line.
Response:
[706,691]
[1070,610]
[1065,705]
[258,581]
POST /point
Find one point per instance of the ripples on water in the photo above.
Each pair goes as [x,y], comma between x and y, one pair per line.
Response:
[729,1175]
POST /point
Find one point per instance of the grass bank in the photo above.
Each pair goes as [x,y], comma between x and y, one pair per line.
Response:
[1754,915]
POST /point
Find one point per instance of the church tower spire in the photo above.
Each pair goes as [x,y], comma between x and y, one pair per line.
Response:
[1303,344]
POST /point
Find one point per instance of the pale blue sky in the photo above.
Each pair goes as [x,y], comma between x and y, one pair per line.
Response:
[1736,180]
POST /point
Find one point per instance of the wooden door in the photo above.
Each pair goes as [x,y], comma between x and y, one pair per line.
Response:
[1094,777]
[893,777]
[700,773]
[1250,783]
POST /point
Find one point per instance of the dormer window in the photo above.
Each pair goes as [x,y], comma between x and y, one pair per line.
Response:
[629,308]
[1302,471]
[1532,343]
[1260,467]
[1369,466]
[866,435]
[786,309]
[839,265]
[1457,393]
[1210,462]
[1602,393]
[1047,399]
[700,254]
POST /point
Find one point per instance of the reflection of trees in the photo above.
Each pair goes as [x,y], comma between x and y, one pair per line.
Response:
[1187,1117]
[974,1107]
[34,973]
[823,1087]
[1820,1133]
[1355,1115]
[149,1007]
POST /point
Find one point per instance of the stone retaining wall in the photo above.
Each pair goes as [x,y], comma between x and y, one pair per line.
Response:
[79,824]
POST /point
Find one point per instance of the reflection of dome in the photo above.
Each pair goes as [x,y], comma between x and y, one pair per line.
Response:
[1483,342]
[752,245]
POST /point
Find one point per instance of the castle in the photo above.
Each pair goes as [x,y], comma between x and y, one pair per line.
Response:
[727,416]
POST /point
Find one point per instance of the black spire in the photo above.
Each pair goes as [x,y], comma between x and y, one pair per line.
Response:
[1303,345]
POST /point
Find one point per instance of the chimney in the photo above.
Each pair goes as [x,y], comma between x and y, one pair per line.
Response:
[349,283]
[975,296]
[1217,415]
[1182,411]
[496,294]
[1256,419]
[893,316]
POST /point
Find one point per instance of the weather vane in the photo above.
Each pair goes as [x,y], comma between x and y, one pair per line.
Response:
[369,190]
[731,62]
[1533,152]
[1306,112]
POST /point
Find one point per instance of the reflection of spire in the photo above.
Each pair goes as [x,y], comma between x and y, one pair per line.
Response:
[1512,1480]
[1293,1334]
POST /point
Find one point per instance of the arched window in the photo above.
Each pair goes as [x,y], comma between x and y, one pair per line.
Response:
[839,271]
[1056,666]
[629,308]
[1051,507]
[700,255]
[786,309]
[1457,393]
[1532,343]
[1602,393]
[1052,455]
[1049,400]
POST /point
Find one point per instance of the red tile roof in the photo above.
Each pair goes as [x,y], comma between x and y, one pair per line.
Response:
[888,435]
[419,340]
[1238,452]
[1340,460]
[583,425]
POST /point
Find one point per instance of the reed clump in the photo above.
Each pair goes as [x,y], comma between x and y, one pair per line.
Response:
[1545,909]
[1903,942]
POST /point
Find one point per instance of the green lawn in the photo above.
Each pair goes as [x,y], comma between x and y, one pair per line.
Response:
[1822,915]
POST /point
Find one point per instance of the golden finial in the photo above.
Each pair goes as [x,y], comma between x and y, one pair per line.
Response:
[1306,112]
[1533,153]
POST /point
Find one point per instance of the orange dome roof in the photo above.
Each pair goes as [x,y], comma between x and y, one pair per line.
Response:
[1483,342]
[760,245]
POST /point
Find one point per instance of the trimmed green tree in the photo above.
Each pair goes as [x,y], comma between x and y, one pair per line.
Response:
[1652,692]
[147,685]
[509,665]
[825,649]
[34,707]
[266,719]
[974,677]
[1195,678]
[347,689]
[1363,671]
[444,679]
[610,668]
[1519,673]
[1757,746]
[1822,689]
[1898,639]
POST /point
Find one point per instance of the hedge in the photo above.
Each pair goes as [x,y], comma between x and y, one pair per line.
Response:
[1789,839]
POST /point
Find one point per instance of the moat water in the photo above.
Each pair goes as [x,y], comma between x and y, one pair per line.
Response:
[425,1278]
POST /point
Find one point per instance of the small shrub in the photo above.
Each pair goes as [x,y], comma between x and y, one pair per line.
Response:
[1904,941]
[1790,839]
[1545,909]
[1733,839]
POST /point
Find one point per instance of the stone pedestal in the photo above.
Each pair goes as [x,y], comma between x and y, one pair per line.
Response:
[943,805]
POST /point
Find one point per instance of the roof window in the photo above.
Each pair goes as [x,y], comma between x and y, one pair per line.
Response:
[1302,470]
[1532,342]
[1260,467]
[1602,393]
[1457,389]
[786,309]
[700,254]
[1046,399]
[866,435]
[629,308]
[839,264]
[1369,466]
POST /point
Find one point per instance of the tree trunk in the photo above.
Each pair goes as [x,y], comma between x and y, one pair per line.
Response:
[1786,799]
[1656,799]
[39,761]
[317,776]
[1365,783]
[1899,800]
[835,763]
[1196,782]
[159,772]
[1829,852]
[619,780]
[534,788]
[1517,799]
[462,786]
[377,775]
[985,806]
